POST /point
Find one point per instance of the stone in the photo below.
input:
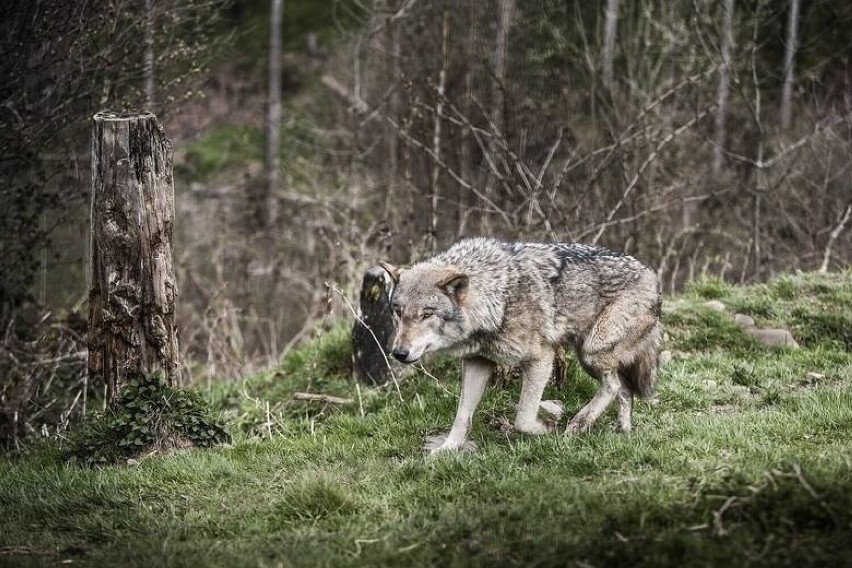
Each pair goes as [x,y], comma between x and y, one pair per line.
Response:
[773,337]
[744,320]
[715,305]
[373,331]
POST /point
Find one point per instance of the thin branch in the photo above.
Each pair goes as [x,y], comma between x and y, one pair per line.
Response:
[651,157]
[833,237]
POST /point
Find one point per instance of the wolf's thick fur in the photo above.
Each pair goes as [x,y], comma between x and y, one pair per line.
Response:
[497,303]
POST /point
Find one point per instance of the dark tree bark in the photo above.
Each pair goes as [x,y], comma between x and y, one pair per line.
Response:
[132,293]
[373,332]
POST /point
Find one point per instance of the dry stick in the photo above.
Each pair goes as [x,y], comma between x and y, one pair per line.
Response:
[336,290]
[833,237]
[718,527]
[651,157]
[326,398]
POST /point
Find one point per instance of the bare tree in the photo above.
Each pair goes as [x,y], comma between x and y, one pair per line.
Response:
[610,30]
[789,64]
[392,70]
[436,138]
[723,92]
[148,68]
[273,122]
[498,89]
[465,138]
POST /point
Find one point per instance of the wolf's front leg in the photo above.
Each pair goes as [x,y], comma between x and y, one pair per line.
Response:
[535,377]
[476,373]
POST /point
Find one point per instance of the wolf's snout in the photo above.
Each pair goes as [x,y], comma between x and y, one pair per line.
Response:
[400,354]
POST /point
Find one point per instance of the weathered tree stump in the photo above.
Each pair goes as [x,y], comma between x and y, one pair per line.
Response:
[373,333]
[132,294]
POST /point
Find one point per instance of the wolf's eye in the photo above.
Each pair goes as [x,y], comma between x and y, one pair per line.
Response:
[427,314]
[397,310]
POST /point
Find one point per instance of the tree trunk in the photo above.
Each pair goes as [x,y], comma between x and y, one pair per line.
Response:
[132,294]
[436,132]
[610,30]
[789,64]
[465,153]
[724,86]
[268,211]
[394,72]
[148,67]
[498,98]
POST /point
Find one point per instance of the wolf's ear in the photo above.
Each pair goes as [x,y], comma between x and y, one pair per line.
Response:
[454,285]
[392,271]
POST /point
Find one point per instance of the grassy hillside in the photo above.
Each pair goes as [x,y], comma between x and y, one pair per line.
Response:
[744,459]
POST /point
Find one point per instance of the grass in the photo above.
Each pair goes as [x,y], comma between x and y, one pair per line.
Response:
[227,148]
[744,459]
[222,147]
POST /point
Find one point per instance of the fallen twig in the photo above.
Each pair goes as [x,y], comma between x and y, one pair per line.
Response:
[327,398]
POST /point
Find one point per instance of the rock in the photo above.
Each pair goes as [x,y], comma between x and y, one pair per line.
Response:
[744,320]
[715,305]
[132,462]
[773,337]
[814,377]
[372,334]
[665,357]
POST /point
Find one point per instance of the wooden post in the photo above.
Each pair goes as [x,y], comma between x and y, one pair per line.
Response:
[132,292]
[373,332]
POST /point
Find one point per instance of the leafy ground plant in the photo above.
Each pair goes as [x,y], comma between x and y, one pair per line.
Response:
[149,416]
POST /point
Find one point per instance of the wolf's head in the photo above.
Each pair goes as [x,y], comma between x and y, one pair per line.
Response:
[428,304]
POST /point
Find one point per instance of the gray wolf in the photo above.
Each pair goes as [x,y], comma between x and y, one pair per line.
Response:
[515,304]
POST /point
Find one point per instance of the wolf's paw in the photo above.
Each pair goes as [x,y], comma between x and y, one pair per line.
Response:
[439,443]
[578,425]
[553,408]
[535,428]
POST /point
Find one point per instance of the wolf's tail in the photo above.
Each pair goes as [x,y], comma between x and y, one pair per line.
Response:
[641,375]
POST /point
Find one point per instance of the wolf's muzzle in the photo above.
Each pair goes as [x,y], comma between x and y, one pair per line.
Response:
[401,355]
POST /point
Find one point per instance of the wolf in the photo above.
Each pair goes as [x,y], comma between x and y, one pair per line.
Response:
[515,304]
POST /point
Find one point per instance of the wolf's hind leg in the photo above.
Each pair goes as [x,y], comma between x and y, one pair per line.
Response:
[625,409]
[476,373]
[535,377]
[588,415]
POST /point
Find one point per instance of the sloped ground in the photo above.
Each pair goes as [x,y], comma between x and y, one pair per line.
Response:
[744,459]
